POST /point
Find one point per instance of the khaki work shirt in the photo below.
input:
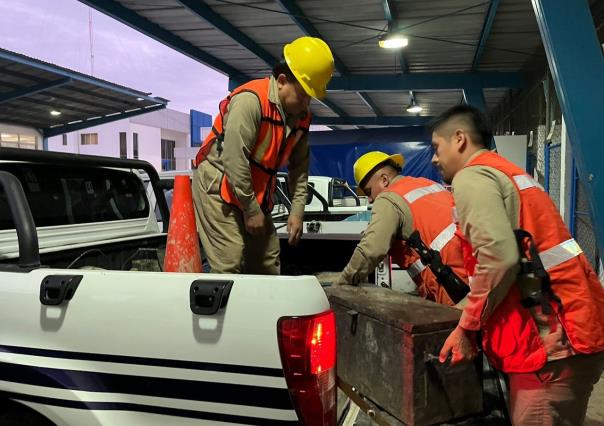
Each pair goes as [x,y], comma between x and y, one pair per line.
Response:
[242,122]
[488,210]
[390,218]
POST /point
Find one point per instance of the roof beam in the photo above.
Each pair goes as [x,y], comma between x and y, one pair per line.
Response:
[369,102]
[373,121]
[427,81]
[578,72]
[392,16]
[122,102]
[59,130]
[332,106]
[308,28]
[474,96]
[74,75]
[32,90]
[151,29]
[204,11]
[486,32]
[63,107]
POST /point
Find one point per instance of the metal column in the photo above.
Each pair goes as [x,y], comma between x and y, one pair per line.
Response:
[474,96]
[577,66]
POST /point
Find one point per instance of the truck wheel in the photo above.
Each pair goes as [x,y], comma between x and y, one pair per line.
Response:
[15,414]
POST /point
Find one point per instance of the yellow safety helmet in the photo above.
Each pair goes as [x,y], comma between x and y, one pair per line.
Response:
[367,162]
[311,62]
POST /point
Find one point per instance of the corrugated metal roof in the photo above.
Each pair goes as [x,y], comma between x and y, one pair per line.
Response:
[444,37]
[30,89]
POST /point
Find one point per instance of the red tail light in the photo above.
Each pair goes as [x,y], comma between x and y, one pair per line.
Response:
[308,354]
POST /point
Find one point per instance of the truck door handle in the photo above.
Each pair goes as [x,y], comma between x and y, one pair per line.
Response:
[56,289]
[207,297]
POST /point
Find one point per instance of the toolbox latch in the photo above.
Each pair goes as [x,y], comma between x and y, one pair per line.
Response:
[354,318]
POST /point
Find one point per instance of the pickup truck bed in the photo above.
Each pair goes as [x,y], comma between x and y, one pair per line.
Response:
[88,338]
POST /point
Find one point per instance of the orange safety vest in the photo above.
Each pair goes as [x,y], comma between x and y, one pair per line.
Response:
[271,150]
[430,204]
[510,336]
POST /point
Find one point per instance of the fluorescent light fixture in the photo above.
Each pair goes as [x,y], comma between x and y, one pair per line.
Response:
[393,41]
[414,109]
[55,113]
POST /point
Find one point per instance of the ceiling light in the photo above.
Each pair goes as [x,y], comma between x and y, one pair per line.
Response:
[414,109]
[55,113]
[393,41]
[139,99]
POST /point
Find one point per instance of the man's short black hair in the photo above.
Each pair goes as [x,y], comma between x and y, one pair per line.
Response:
[283,68]
[474,118]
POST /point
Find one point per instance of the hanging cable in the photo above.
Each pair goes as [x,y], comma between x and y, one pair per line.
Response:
[378,30]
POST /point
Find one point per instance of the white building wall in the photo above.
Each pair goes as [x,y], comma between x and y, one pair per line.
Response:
[151,129]
[21,130]
[182,141]
[149,144]
[108,140]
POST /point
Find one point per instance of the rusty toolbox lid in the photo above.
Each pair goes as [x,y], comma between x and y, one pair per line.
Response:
[409,313]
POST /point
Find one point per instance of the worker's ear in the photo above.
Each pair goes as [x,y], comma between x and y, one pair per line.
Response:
[460,139]
[281,80]
[385,179]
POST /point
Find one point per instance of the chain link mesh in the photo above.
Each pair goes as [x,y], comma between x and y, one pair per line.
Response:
[554,173]
[584,232]
[540,164]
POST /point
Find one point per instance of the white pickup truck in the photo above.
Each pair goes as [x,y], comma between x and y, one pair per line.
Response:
[329,199]
[88,336]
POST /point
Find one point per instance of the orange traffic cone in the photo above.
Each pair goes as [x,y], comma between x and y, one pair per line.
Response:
[182,248]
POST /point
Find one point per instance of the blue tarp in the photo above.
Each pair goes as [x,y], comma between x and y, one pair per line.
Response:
[333,153]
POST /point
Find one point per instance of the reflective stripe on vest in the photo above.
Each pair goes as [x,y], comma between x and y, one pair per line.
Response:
[510,338]
[524,182]
[559,254]
[443,238]
[418,193]
[438,244]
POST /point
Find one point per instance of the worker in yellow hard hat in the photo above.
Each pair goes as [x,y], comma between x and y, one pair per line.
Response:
[409,216]
[261,127]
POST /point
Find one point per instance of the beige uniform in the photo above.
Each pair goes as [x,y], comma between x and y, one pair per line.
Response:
[227,245]
[390,218]
[488,208]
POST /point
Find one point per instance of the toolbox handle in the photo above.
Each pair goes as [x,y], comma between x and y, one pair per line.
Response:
[354,315]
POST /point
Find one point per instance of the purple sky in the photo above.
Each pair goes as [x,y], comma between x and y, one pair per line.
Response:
[56,31]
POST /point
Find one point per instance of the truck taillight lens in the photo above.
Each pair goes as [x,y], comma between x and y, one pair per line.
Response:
[308,354]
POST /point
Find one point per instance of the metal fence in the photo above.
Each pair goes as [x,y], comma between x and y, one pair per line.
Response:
[581,226]
[553,172]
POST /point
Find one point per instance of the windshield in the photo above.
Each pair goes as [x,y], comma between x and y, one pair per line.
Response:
[72,195]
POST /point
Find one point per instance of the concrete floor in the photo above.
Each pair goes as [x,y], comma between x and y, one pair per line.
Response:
[595,409]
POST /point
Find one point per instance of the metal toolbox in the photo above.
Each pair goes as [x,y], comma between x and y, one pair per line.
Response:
[388,343]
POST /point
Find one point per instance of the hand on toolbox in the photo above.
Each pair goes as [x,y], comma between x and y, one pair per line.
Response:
[460,346]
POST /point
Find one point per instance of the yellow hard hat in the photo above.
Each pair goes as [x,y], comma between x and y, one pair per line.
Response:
[311,62]
[367,162]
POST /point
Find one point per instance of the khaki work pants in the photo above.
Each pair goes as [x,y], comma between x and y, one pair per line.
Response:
[557,394]
[226,244]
